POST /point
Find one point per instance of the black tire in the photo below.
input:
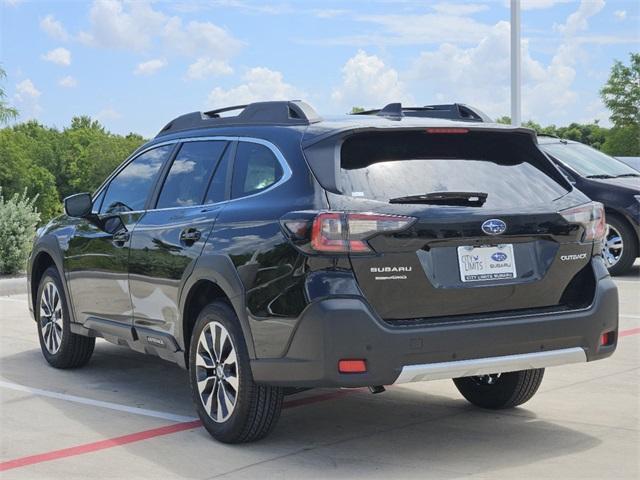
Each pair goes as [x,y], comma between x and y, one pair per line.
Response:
[629,242]
[257,407]
[506,390]
[72,350]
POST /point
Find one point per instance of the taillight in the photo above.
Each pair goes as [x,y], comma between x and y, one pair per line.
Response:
[591,217]
[337,232]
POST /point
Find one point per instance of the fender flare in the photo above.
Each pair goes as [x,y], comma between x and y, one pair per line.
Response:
[220,270]
[48,244]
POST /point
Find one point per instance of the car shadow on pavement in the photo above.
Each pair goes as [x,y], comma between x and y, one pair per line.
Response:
[402,431]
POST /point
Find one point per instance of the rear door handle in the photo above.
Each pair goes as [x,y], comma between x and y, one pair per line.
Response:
[120,238]
[190,236]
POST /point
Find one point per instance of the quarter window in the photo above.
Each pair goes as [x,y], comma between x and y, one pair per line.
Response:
[129,189]
[190,174]
[256,168]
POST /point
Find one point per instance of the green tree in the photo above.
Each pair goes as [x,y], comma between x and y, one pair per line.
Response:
[52,164]
[623,141]
[20,172]
[6,112]
[357,110]
[621,93]
[18,220]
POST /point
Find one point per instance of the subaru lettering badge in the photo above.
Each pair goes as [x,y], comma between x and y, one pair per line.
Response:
[494,227]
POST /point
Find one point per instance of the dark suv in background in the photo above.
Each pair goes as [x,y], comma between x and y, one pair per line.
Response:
[275,249]
[613,183]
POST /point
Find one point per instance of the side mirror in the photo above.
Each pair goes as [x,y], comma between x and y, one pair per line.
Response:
[78,205]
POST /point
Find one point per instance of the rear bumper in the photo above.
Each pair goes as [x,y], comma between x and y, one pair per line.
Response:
[346,328]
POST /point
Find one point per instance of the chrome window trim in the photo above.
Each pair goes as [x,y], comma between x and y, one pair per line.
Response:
[286,169]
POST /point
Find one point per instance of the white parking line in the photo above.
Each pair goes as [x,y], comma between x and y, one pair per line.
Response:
[96,403]
[9,299]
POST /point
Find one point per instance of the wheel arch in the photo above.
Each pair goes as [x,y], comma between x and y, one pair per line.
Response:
[46,254]
[213,278]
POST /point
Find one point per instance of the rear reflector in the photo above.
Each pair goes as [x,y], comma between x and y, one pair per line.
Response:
[352,366]
[607,339]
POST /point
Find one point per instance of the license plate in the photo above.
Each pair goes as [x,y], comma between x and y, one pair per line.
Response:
[486,263]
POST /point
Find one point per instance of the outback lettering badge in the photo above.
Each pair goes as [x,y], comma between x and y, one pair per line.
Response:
[579,256]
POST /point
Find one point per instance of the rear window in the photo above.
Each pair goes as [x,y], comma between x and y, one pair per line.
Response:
[509,168]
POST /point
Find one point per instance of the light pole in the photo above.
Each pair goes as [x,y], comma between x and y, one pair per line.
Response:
[516,72]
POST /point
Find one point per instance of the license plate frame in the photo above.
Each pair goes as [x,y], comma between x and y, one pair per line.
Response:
[486,263]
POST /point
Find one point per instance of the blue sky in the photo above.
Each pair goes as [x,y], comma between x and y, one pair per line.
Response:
[136,64]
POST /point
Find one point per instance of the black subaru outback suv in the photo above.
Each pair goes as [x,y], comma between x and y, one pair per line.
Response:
[275,249]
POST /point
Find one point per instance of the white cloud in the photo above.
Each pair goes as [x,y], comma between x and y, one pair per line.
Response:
[26,98]
[539,4]
[579,20]
[108,113]
[206,67]
[114,26]
[150,67]
[199,39]
[11,3]
[54,28]
[59,56]
[414,29]
[68,82]
[460,8]
[620,14]
[26,90]
[260,84]
[368,82]
[329,12]
[253,7]
[480,75]
[136,26]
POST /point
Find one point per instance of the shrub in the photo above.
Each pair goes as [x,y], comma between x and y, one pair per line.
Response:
[18,220]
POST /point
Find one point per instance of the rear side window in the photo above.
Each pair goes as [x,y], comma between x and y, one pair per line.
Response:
[129,189]
[190,173]
[255,169]
[384,166]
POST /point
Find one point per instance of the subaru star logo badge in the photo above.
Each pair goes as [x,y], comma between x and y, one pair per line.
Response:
[494,227]
[499,257]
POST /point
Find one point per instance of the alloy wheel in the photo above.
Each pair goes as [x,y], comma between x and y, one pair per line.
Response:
[51,317]
[612,246]
[217,372]
[490,379]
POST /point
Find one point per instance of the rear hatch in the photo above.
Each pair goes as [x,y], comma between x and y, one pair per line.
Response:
[487,236]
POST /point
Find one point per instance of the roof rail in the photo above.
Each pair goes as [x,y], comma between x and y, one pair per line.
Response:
[454,111]
[293,112]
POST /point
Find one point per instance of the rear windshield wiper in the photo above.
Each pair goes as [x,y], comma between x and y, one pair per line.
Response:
[604,175]
[628,175]
[470,199]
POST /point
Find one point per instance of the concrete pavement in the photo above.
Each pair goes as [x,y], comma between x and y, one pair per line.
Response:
[583,423]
